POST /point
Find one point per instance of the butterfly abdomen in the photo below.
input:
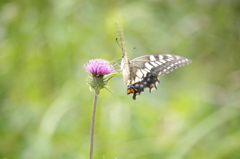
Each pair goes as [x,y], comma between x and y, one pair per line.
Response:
[150,82]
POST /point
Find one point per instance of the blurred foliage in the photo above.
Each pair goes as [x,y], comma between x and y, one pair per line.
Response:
[45,103]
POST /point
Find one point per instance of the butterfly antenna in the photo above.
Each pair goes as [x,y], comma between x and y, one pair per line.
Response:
[118,43]
[132,50]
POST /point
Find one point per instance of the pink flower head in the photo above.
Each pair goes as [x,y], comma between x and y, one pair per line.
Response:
[98,67]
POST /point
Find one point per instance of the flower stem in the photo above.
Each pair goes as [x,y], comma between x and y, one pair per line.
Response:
[93,123]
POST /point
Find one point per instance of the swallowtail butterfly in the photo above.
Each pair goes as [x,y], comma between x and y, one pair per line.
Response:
[142,72]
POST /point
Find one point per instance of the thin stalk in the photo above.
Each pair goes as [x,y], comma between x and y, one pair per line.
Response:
[96,92]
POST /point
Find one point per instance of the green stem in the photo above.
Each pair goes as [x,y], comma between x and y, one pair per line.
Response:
[93,123]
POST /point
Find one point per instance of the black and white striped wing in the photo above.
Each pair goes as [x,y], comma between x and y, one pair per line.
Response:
[144,71]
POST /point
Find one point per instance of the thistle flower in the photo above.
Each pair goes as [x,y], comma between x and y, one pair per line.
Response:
[99,68]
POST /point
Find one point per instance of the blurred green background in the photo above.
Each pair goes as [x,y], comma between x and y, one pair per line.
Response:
[45,103]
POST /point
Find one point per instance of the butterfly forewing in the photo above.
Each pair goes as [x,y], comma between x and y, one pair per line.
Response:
[125,64]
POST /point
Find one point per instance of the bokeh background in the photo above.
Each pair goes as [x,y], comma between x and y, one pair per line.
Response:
[45,103]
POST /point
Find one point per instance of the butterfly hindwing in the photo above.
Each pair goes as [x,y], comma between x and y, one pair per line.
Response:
[144,71]
[159,64]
